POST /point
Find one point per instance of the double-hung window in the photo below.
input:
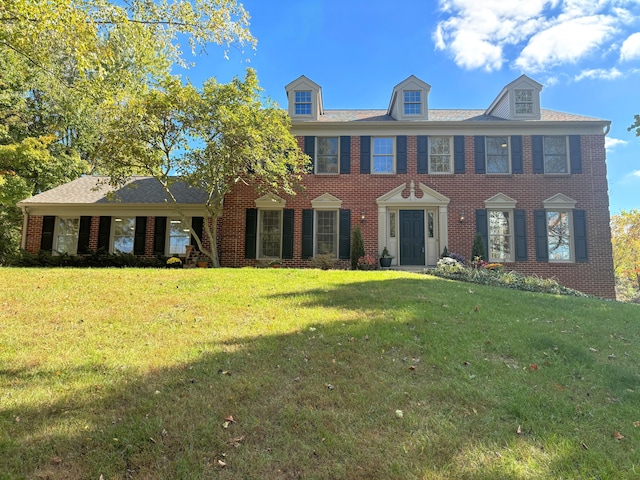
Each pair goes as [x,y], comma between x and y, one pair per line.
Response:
[179,236]
[327,155]
[326,238]
[440,154]
[412,102]
[500,235]
[559,235]
[497,153]
[555,154]
[66,238]
[269,233]
[124,229]
[383,155]
[303,102]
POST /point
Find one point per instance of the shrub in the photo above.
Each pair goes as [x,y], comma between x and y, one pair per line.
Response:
[478,247]
[357,247]
[325,261]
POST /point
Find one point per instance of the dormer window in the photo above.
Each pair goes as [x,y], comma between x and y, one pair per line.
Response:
[303,102]
[412,102]
[524,102]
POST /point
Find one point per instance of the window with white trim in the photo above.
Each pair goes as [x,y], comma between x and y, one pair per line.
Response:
[326,232]
[66,238]
[123,231]
[497,154]
[383,155]
[412,102]
[524,102]
[500,235]
[303,102]
[555,150]
[440,154]
[269,233]
[327,158]
[559,235]
[179,236]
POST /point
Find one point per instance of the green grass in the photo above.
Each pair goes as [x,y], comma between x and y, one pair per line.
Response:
[130,373]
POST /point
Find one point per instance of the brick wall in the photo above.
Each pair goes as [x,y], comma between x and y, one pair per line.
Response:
[34,234]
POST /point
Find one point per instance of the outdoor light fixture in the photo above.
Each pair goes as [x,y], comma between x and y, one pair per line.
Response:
[363,215]
[462,217]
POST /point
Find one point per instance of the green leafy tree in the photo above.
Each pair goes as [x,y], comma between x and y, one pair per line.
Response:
[212,139]
[625,238]
[636,125]
[357,247]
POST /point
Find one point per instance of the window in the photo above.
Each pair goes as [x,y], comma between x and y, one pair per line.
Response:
[179,236]
[270,234]
[524,102]
[500,235]
[66,240]
[383,155]
[326,241]
[303,103]
[497,152]
[440,154]
[392,224]
[412,102]
[327,156]
[559,236]
[124,229]
[555,155]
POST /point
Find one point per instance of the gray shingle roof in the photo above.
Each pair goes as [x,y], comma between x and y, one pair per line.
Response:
[95,190]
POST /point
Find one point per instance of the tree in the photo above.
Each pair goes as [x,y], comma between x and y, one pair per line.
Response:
[625,238]
[211,139]
[357,247]
[636,125]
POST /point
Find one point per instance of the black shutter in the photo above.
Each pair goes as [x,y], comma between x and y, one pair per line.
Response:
[344,241]
[540,226]
[104,233]
[48,226]
[479,154]
[575,153]
[482,227]
[287,233]
[160,236]
[458,154]
[520,229]
[197,224]
[84,234]
[580,234]
[140,237]
[423,154]
[310,149]
[345,155]
[538,154]
[516,154]
[307,233]
[401,154]
[365,154]
[250,233]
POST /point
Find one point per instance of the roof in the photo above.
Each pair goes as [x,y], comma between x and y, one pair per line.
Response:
[435,115]
[96,190]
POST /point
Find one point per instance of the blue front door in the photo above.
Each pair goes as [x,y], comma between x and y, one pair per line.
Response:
[412,237]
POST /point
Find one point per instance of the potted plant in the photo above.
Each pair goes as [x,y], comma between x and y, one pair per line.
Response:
[385,258]
[174,262]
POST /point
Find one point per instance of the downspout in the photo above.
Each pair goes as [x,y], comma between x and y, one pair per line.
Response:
[25,224]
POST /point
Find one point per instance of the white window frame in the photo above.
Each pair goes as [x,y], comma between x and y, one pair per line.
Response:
[384,154]
[568,214]
[320,156]
[412,98]
[301,105]
[335,234]
[114,224]
[506,145]
[450,154]
[260,233]
[566,155]
[519,102]
[58,234]
[508,236]
[186,230]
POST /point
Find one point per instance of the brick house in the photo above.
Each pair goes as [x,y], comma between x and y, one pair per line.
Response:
[531,181]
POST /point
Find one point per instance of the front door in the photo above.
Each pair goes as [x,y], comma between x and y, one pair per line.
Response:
[412,237]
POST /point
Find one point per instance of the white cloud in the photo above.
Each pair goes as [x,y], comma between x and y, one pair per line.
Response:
[599,73]
[611,143]
[634,174]
[630,49]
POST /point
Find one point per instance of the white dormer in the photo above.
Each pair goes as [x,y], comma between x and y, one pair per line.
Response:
[305,99]
[520,100]
[409,100]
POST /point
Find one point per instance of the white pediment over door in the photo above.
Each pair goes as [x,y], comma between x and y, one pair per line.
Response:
[428,196]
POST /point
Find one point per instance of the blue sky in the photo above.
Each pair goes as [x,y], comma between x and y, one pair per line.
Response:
[586,53]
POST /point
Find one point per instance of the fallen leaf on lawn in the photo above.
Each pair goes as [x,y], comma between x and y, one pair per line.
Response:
[617,435]
[519,430]
[476,308]
[226,424]
[636,424]
[236,442]
[612,356]
[221,463]
[591,349]
[56,460]
[152,440]
[399,413]
[164,433]
[533,367]
[466,364]
[584,445]
[229,419]
[329,386]
[412,367]
[559,387]
[224,372]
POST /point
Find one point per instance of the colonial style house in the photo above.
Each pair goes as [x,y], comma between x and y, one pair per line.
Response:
[531,181]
